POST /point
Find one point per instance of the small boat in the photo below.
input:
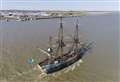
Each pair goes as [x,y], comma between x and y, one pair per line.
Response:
[57,59]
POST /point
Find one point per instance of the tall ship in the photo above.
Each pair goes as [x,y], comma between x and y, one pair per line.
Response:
[57,59]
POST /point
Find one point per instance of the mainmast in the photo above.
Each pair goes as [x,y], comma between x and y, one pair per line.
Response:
[76,36]
[60,39]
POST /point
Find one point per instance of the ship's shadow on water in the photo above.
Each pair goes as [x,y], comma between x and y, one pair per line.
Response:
[20,40]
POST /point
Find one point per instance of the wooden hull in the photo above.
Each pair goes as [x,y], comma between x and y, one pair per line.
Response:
[69,59]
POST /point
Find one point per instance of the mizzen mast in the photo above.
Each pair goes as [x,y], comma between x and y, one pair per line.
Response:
[50,50]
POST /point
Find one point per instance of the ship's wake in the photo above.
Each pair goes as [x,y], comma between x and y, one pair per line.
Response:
[41,75]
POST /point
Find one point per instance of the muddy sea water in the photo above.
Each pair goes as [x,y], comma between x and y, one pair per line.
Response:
[19,39]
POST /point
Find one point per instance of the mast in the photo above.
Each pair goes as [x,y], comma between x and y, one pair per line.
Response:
[60,39]
[50,50]
[76,36]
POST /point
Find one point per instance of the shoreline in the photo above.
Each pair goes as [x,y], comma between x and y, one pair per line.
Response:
[17,16]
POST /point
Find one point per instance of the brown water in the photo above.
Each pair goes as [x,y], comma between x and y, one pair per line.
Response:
[19,41]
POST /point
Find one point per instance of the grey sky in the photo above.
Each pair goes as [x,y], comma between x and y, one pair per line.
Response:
[91,5]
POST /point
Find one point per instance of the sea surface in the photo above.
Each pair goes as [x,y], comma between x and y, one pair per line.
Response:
[19,41]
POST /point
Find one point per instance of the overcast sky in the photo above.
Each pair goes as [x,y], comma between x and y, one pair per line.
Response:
[91,5]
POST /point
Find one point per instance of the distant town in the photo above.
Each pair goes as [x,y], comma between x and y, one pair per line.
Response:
[27,15]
